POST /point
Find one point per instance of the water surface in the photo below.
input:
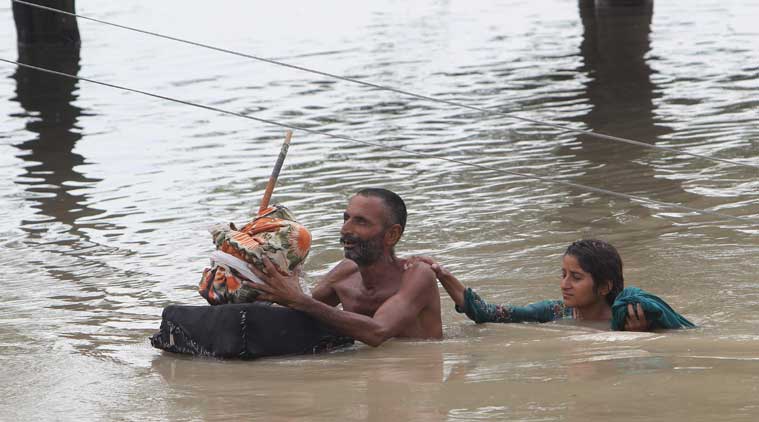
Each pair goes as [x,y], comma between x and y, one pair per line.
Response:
[107,195]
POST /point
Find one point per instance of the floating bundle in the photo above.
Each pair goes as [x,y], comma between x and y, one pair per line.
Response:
[273,233]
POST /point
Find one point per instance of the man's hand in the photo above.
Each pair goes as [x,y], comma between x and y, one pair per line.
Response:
[636,318]
[280,287]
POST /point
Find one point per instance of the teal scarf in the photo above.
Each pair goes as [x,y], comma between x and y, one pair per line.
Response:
[658,313]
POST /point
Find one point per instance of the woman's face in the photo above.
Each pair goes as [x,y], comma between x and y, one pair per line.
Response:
[577,285]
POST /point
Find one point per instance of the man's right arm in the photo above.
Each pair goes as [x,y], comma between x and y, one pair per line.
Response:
[392,317]
[324,291]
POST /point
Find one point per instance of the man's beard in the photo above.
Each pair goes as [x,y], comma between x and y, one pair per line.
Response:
[363,251]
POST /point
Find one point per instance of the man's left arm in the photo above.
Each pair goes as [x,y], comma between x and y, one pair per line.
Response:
[398,312]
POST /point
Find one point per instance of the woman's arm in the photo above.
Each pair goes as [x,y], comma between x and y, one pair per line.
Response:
[478,310]
[450,283]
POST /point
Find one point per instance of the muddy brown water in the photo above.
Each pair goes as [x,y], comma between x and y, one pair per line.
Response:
[106,198]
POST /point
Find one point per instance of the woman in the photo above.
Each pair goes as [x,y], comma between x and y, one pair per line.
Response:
[592,287]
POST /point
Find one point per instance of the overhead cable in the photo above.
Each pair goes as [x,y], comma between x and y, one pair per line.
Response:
[400,91]
[545,179]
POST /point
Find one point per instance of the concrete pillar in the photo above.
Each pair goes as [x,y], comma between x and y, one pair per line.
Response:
[39,26]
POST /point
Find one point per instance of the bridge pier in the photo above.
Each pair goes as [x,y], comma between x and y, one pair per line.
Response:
[39,26]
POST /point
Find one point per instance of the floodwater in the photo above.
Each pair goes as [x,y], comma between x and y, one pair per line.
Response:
[107,195]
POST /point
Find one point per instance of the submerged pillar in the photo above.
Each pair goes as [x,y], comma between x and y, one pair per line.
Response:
[40,26]
[606,3]
[50,40]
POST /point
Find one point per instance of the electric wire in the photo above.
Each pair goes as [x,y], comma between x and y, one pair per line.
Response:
[400,91]
[545,179]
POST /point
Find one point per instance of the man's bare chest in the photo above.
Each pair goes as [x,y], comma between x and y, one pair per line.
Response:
[356,298]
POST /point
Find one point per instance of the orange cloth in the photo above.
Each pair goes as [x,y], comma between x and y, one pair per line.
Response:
[274,233]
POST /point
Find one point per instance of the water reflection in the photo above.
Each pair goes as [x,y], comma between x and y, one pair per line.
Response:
[382,384]
[91,310]
[621,94]
[62,224]
[51,176]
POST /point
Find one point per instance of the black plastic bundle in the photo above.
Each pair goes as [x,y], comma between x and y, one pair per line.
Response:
[244,331]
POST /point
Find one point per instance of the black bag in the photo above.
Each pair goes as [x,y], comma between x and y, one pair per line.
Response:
[245,331]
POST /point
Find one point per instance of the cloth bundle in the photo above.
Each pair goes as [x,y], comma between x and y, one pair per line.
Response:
[273,233]
[658,313]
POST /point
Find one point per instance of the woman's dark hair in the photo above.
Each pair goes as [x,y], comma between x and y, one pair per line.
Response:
[602,261]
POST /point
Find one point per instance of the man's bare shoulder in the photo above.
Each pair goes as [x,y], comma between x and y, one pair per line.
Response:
[419,276]
[342,271]
[420,287]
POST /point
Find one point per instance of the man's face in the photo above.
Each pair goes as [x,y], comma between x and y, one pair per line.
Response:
[363,231]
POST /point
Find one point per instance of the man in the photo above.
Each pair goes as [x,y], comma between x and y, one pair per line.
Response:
[380,299]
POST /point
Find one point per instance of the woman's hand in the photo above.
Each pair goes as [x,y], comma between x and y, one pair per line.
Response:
[414,260]
[451,284]
[440,271]
[636,318]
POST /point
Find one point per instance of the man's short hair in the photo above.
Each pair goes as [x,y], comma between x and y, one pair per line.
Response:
[392,201]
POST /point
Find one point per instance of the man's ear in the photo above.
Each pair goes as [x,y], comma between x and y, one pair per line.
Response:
[393,234]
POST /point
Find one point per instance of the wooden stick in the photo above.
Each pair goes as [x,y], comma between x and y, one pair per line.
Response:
[275,172]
